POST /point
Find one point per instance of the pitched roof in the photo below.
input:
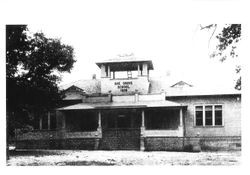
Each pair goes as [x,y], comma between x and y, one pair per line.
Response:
[182,88]
[181,84]
[194,91]
[74,88]
[92,86]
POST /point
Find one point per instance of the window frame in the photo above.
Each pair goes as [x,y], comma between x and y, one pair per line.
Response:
[195,115]
[204,115]
[222,118]
[207,109]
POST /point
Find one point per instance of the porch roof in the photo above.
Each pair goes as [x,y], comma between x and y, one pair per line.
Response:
[112,105]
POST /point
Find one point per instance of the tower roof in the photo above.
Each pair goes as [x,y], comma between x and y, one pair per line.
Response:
[125,63]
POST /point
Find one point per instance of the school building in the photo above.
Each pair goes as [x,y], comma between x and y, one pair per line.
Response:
[126,109]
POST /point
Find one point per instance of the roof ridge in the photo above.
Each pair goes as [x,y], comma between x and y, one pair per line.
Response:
[78,81]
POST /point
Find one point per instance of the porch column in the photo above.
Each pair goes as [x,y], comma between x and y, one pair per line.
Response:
[181,119]
[109,72]
[40,123]
[142,119]
[48,120]
[103,71]
[99,129]
[144,69]
[142,145]
[138,69]
[181,123]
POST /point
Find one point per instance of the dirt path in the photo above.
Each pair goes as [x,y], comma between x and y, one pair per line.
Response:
[69,157]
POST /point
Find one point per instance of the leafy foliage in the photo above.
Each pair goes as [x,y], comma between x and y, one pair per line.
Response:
[228,39]
[33,65]
[16,47]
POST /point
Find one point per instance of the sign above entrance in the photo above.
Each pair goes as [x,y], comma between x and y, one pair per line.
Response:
[123,86]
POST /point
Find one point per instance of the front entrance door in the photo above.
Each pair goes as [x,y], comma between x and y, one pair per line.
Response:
[123,121]
[121,130]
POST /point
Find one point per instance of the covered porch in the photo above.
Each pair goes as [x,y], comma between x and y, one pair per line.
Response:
[121,125]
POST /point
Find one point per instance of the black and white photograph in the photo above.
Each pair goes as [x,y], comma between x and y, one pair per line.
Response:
[123,83]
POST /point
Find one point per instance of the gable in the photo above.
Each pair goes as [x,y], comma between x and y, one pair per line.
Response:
[181,84]
[74,89]
[92,86]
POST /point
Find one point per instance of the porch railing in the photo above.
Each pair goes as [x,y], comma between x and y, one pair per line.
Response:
[56,134]
[163,133]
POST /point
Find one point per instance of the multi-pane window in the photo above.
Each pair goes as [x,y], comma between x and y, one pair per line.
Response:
[208,115]
[218,114]
[198,114]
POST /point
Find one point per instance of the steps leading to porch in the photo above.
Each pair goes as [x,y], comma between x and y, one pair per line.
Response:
[120,139]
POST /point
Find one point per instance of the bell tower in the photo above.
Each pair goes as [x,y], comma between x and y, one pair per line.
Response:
[125,75]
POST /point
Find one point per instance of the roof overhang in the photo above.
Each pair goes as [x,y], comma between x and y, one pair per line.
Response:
[202,95]
[125,64]
[116,105]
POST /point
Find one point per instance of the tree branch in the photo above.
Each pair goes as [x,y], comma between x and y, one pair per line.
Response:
[215,27]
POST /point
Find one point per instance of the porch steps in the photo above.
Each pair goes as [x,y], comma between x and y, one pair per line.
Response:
[120,139]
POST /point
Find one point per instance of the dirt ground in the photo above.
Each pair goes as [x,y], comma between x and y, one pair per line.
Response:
[106,158]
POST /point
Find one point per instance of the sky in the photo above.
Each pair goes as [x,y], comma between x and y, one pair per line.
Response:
[152,31]
[175,48]
[168,33]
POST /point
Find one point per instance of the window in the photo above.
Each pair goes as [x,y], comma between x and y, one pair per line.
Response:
[218,115]
[198,114]
[162,119]
[208,115]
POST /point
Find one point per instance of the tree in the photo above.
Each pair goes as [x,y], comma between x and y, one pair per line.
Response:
[33,66]
[228,39]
